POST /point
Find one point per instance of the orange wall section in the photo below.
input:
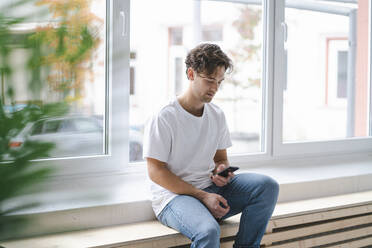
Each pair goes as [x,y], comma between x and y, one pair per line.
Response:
[361,80]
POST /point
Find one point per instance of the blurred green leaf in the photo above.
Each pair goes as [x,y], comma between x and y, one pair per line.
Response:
[64,50]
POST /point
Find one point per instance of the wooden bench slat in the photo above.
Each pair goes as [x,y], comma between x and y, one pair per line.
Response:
[327,239]
[176,240]
[227,244]
[289,209]
[354,244]
[315,229]
[319,216]
[154,234]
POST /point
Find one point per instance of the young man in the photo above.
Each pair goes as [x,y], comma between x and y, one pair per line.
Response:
[185,146]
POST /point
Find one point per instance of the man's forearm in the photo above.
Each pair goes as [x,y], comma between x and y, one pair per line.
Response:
[165,178]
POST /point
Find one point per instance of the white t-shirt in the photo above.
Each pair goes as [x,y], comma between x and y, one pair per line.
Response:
[187,144]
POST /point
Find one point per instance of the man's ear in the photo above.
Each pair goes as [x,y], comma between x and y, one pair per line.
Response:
[190,73]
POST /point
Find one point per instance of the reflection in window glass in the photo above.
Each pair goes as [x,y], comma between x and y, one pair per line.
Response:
[179,75]
[176,36]
[132,79]
[87,125]
[212,33]
[37,128]
[67,126]
[56,56]
[326,95]
[160,69]
[342,74]
[51,126]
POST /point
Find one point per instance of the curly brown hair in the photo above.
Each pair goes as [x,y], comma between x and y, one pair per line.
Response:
[206,58]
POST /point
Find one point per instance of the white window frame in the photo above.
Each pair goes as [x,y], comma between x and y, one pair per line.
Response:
[273,75]
[116,124]
[117,109]
[268,10]
[338,146]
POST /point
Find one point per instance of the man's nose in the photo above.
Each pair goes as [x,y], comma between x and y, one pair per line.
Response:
[215,86]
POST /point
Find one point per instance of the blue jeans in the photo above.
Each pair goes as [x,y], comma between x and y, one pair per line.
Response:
[251,194]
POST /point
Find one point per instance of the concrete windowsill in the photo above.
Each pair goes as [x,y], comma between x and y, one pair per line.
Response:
[125,198]
[154,234]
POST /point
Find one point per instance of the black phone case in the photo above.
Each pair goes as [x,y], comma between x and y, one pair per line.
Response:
[226,171]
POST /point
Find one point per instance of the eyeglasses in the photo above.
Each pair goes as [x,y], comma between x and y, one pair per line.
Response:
[210,80]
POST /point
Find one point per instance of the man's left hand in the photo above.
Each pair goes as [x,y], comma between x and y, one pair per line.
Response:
[219,180]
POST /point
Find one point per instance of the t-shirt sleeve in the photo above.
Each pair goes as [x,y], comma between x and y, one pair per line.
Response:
[224,140]
[157,139]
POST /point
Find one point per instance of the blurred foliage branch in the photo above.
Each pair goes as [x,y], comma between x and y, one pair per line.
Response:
[64,49]
[247,50]
[71,43]
[17,175]
[247,59]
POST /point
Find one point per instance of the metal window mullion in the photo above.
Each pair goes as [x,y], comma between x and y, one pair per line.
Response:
[108,45]
[197,25]
[268,77]
[119,112]
[279,69]
[351,62]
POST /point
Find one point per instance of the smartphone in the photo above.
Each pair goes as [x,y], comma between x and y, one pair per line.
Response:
[226,171]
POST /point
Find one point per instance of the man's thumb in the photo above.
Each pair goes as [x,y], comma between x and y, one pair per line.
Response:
[221,167]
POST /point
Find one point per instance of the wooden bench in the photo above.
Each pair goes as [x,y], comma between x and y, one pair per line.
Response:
[337,221]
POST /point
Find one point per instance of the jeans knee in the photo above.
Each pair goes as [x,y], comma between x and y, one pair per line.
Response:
[212,231]
[272,188]
[208,234]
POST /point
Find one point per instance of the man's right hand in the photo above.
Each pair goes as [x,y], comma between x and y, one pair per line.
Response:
[212,202]
[160,174]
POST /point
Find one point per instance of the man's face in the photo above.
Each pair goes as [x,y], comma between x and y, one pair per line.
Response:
[205,86]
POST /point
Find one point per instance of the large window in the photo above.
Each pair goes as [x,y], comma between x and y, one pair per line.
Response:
[162,42]
[322,62]
[58,57]
[322,86]
[68,61]
[300,83]
[300,93]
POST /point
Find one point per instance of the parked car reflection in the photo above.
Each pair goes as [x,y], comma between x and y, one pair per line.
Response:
[74,136]
[8,109]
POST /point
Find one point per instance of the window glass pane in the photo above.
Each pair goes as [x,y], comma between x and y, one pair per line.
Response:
[326,92]
[53,61]
[132,80]
[51,126]
[212,33]
[342,74]
[37,128]
[67,126]
[161,72]
[87,124]
[175,35]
